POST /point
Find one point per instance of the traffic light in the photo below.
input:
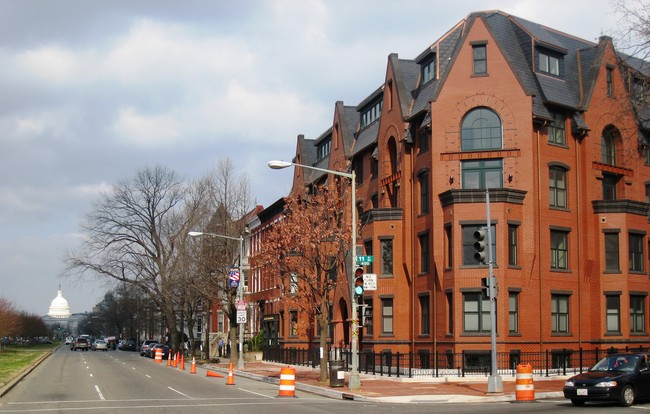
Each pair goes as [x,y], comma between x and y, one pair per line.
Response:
[480,246]
[358,281]
[485,286]
[489,287]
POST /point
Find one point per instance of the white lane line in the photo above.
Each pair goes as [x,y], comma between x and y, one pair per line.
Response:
[91,375]
[184,395]
[255,393]
[148,376]
[101,396]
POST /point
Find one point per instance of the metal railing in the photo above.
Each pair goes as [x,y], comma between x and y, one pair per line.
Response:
[425,364]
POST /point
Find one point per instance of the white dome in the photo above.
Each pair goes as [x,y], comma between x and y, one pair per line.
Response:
[59,307]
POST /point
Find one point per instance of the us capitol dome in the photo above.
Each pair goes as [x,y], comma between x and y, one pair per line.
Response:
[60,320]
[59,308]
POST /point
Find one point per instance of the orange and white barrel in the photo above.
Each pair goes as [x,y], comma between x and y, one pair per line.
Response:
[159,353]
[287,382]
[524,388]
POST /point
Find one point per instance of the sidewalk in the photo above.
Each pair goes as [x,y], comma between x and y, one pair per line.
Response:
[392,389]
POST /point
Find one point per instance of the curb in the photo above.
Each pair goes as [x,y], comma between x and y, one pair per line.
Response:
[23,373]
[342,395]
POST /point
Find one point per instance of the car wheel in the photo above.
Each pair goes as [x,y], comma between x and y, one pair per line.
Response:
[578,403]
[627,396]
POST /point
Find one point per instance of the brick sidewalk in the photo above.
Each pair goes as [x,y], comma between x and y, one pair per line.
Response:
[373,386]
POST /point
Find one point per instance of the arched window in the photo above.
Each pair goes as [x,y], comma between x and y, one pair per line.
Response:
[481,130]
[608,145]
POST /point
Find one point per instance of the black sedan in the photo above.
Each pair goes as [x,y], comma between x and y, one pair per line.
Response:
[618,377]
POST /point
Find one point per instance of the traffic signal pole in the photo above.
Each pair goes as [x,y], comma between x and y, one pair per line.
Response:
[495,384]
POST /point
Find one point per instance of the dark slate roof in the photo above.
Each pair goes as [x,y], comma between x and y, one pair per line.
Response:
[349,123]
[517,39]
[307,150]
[366,137]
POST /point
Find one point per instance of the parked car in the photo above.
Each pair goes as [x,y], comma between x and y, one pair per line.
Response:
[621,377]
[129,346]
[154,348]
[80,343]
[144,349]
[99,345]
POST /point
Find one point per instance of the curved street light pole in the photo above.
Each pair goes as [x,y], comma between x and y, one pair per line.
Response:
[355,379]
[240,287]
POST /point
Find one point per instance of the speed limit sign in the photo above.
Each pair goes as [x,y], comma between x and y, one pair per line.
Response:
[241,316]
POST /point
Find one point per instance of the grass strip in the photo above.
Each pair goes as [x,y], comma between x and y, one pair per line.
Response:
[14,359]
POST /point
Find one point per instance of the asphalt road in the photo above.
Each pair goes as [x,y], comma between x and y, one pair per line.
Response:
[116,381]
[113,381]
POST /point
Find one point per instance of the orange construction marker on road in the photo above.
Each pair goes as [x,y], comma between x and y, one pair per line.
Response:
[170,353]
[193,367]
[213,374]
[181,366]
[231,376]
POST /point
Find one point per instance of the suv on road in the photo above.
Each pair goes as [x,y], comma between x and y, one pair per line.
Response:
[80,343]
[144,349]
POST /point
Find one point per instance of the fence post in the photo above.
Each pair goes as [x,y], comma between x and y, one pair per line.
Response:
[546,362]
[398,365]
[436,363]
[580,358]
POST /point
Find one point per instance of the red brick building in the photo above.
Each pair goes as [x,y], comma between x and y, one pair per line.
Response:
[551,125]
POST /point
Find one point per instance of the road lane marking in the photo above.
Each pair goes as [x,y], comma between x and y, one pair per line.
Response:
[184,395]
[101,396]
[147,375]
[256,393]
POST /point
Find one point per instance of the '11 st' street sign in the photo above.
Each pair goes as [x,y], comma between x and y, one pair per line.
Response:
[365,260]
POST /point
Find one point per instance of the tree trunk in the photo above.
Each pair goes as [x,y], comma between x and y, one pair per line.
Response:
[323,325]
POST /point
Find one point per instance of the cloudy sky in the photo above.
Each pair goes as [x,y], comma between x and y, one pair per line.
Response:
[92,91]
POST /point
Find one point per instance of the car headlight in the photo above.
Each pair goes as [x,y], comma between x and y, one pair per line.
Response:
[569,384]
[606,384]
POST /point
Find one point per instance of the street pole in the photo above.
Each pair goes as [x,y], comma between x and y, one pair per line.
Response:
[355,378]
[240,294]
[495,384]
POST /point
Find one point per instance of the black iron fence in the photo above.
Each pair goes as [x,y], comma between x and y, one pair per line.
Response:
[470,363]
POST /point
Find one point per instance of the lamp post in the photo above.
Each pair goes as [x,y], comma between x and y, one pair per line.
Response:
[355,379]
[240,287]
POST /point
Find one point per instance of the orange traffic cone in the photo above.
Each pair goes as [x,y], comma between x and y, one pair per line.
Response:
[170,354]
[175,361]
[213,374]
[181,366]
[193,366]
[231,376]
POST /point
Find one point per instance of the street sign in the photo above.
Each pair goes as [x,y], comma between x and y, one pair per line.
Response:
[365,260]
[369,281]
[233,276]
[241,316]
[241,305]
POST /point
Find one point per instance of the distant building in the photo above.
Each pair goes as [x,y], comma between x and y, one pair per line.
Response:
[59,318]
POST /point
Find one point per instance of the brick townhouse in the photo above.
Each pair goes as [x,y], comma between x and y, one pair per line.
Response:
[555,128]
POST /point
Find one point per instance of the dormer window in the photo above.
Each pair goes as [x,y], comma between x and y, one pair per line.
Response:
[549,62]
[428,69]
[371,114]
[323,149]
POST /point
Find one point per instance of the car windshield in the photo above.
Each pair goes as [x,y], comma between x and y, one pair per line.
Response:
[617,363]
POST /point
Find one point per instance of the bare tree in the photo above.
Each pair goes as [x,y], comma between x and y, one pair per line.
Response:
[133,233]
[634,27]
[230,200]
[306,254]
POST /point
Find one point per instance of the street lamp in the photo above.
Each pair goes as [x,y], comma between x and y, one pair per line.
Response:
[355,379]
[240,287]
